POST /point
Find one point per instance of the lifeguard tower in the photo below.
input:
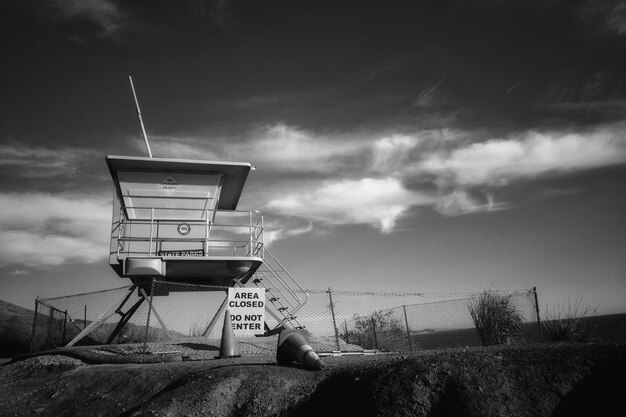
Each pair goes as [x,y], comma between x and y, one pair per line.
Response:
[177,221]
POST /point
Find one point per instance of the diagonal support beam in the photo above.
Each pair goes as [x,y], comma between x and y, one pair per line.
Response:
[124,319]
[103,318]
[143,293]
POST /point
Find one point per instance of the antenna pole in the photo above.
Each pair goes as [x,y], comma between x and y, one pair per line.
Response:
[143,129]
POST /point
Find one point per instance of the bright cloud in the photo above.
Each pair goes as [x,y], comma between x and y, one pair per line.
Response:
[276,148]
[277,231]
[391,153]
[451,171]
[40,230]
[534,154]
[461,202]
[287,148]
[41,162]
[377,202]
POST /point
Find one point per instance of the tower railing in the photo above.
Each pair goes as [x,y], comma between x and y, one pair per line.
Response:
[188,232]
[284,293]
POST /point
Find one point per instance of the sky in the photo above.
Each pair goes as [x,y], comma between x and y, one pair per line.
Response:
[420,146]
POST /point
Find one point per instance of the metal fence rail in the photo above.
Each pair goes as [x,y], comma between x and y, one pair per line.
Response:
[349,321]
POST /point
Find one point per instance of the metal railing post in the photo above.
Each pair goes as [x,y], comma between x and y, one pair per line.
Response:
[151,227]
[250,226]
[119,232]
[206,233]
[262,238]
[332,311]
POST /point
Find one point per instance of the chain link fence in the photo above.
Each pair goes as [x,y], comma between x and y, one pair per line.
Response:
[344,321]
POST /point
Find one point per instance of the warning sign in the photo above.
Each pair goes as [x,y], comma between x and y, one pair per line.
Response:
[169,185]
[247,310]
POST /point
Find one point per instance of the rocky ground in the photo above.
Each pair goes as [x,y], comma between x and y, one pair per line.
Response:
[529,380]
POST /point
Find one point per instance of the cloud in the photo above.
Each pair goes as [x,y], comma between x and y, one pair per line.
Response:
[278,231]
[599,91]
[285,148]
[41,230]
[460,202]
[374,179]
[607,17]
[391,153]
[274,148]
[376,202]
[41,162]
[533,154]
[103,13]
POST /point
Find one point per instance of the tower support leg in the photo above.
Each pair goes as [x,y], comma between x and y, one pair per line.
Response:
[103,318]
[124,319]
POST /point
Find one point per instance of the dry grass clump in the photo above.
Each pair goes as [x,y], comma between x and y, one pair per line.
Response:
[568,323]
[496,319]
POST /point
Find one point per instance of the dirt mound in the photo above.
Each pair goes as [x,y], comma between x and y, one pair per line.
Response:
[538,380]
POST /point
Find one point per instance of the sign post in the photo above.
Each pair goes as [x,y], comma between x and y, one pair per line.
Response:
[247,310]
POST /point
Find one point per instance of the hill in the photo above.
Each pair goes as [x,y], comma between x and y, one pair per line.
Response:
[15,329]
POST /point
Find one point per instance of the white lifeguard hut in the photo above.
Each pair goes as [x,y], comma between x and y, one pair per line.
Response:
[176,221]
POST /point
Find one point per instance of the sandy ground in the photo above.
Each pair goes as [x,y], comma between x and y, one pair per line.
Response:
[528,380]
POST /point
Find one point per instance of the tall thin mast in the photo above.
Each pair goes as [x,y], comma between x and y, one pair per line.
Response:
[143,129]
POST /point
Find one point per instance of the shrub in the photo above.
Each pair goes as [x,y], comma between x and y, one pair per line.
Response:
[568,324]
[495,317]
[380,330]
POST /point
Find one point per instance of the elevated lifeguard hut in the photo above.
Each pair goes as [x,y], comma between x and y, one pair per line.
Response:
[177,221]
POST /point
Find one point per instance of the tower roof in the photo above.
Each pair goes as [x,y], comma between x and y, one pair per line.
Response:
[234,174]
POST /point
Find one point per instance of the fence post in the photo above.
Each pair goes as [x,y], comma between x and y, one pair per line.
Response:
[408,331]
[85,320]
[537,311]
[64,327]
[32,333]
[374,331]
[345,326]
[332,311]
[50,330]
[145,339]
